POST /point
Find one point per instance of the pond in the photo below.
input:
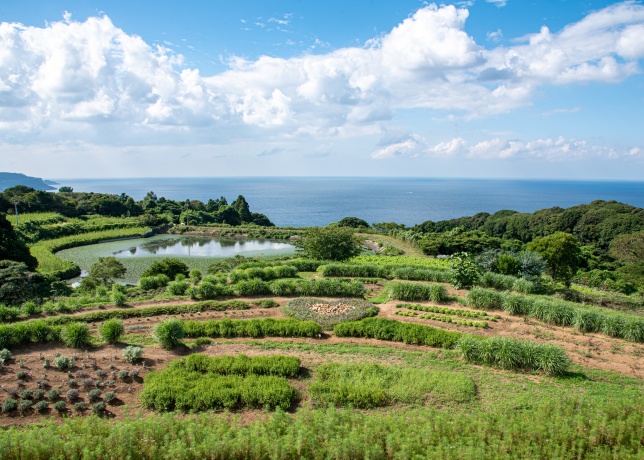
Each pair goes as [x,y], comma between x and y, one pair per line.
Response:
[195,251]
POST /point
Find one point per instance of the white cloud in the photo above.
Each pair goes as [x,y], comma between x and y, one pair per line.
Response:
[495,36]
[498,3]
[500,148]
[59,77]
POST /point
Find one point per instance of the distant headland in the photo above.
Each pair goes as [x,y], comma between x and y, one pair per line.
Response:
[8,179]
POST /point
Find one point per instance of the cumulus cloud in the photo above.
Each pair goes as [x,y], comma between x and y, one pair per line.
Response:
[499,148]
[56,78]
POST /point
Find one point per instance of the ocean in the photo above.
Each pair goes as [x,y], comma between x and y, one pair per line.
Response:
[317,201]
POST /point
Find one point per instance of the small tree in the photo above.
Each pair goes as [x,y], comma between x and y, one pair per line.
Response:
[353,222]
[464,271]
[562,253]
[105,270]
[329,243]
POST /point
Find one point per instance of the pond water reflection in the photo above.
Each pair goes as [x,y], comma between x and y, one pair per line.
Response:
[197,246]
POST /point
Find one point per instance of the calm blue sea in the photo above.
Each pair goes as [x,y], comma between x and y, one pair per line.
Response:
[307,201]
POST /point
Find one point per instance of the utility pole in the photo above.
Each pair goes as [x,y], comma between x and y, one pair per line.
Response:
[15,204]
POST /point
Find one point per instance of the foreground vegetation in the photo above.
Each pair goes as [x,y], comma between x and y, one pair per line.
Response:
[460,393]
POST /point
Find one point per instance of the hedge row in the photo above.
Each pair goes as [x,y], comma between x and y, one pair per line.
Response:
[353,270]
[282,287]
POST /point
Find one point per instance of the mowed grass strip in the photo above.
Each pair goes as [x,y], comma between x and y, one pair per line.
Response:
[366,386]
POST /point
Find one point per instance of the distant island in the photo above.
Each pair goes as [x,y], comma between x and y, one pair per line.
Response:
[8,179]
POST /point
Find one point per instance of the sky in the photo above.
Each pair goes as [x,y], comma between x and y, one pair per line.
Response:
[478,88]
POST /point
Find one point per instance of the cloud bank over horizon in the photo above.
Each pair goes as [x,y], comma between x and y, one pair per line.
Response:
[91,85]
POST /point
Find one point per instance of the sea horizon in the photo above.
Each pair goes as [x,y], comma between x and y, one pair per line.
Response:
[302,201]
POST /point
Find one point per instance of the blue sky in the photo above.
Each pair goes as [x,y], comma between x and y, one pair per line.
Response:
[535,89]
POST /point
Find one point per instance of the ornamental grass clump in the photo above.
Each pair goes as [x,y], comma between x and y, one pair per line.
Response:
[421,274]
[328,314]
[169,333]
[76,335]
[485,299]
[111,330]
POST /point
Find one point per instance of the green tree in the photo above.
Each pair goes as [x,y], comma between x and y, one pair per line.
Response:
[18,284]
[66,189]
[11,247]
[628,248]
[241,206]
[106,269]
[562,253]
[352,222]
[329,243]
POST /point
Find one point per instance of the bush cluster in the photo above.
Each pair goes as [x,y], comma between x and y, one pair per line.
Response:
[422,274]
[200,383]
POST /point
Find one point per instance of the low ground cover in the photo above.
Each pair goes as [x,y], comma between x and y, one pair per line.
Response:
[366,386]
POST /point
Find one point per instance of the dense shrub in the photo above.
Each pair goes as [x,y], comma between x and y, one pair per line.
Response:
[178,287]
[484,299]
[170,267]
[63,362]
[132,353]
[148,283]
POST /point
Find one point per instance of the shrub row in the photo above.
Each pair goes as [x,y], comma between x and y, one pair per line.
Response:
[396,331]
[417,291]
[561,313]
[302,309]
[265,327]
[277,365]
[513,354]
[194,391]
